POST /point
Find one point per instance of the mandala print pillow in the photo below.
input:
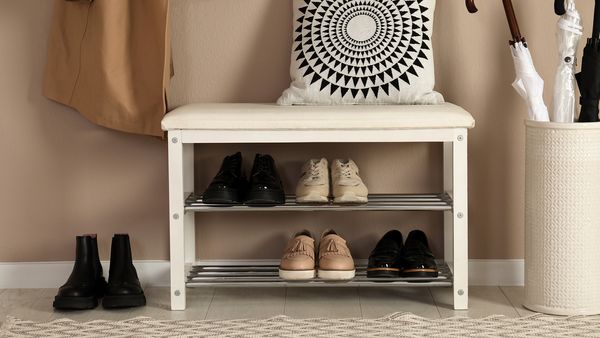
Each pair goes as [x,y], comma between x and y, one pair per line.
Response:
[362,52]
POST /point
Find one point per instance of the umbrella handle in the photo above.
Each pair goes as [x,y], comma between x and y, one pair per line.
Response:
[510,16]
[512,22]
[471,6]
[559,7]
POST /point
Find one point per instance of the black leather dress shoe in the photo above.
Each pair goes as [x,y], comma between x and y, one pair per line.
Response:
[384,260]
[265,187]
[124,288]
[229,184]
[86,283]
[417,259]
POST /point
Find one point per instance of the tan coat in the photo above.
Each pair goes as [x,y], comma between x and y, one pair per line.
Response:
[111,61]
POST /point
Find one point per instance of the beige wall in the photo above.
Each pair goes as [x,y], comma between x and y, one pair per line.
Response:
[61,176]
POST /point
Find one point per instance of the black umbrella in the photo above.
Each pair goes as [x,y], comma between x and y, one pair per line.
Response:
[589,77]
[559,7]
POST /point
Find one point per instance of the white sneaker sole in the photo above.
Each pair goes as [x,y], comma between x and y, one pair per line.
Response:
[350,198]
[312,198]
[296,274]
[337,274]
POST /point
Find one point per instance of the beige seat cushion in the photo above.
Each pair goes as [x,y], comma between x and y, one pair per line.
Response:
[250,116]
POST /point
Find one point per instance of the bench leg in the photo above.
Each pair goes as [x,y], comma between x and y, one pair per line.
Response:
[177,220]
[456,222]
[190,218]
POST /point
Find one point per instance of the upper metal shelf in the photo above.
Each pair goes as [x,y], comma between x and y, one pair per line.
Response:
[377,202]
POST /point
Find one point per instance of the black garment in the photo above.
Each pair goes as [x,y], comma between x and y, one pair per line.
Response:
[417,259]
[229,184]
[384,260]
[86,283]
[589,77]
[265,187]
[124,288]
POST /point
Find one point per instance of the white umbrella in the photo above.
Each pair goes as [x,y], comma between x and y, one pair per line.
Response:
[568,35]
[528,83]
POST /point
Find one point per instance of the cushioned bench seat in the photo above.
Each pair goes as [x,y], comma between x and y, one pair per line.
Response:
[250,116]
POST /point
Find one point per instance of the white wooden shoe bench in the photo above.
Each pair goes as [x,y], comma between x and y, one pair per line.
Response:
[268,123]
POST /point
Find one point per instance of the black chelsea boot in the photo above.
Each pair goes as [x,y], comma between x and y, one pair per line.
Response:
[124,288]
[86,283]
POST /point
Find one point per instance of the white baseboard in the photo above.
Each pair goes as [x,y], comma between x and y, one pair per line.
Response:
[32,275]
[156,273]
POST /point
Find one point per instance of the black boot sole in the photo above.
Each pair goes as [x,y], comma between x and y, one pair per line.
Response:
[75,303]
[123,301]
[265,198]
[383,273]
[224,197]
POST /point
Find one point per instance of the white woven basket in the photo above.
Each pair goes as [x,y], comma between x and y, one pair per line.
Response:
[562,218]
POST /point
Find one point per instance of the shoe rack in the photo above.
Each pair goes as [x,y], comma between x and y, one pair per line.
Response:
[265,274]
[184,203]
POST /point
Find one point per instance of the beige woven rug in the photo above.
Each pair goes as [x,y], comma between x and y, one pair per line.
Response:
[396,325]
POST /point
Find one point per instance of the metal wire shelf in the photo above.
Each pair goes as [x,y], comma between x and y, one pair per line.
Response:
[377,202]
[268,275]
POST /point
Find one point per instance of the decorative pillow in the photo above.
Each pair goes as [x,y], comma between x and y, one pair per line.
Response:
[362,51]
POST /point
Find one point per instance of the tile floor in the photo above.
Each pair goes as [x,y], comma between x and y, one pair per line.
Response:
[226,303]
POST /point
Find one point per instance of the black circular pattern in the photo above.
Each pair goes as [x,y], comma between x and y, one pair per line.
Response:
[359,47]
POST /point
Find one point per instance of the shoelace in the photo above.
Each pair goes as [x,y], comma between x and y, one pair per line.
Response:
[299,248]
[314,173]
[231,164]
[332,249]
[263,165]
[346,171]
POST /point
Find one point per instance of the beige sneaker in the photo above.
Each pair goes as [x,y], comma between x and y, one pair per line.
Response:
[348,187]
[313,186]
[298,261]
[335,259]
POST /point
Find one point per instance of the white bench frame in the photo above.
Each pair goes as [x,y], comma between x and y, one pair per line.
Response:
[181,184]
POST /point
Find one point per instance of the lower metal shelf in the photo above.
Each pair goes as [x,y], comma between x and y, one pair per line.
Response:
[268,275]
